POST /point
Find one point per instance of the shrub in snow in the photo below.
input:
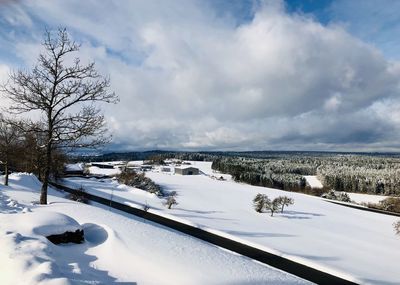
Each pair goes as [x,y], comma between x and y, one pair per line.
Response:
[259,202]
[344,197]
[146,207]
[329,195]
[338,196]
[391,204]
[171,200]
[139,180]
[285,201]
[79,196]
[397,227]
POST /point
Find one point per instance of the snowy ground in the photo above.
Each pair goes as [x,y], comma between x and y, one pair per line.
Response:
[365,198]
[358,198]
[103,171]
[118,247]
[313,181]
[353,244]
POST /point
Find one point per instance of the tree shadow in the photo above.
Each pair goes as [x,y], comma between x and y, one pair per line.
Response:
[258,234]
[9,206]
[299,215]
[381,282]
[201,217]
[319,258]
[199,211]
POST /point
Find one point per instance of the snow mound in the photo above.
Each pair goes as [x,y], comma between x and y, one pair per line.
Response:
[95,234]
[25,181]
[42,223]
[51,223]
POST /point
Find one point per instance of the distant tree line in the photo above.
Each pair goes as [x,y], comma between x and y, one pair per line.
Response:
[267,173]
[352,173]
[362,173]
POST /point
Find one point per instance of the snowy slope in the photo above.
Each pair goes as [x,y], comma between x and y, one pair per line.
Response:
[353,244]
[118,247]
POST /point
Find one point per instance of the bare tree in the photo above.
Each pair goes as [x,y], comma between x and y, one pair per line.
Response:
[10,136]
[285,201]
[65,92]
[273,205]
[171,200]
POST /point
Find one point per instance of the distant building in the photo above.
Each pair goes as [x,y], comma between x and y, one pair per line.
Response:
[187,170]
[165,169]
[146,167]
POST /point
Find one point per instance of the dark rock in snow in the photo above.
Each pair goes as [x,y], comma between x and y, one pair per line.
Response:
[74,237]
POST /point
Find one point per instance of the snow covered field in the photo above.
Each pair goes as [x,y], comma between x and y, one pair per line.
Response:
[118,247]
[313,181]
[356,245]
[358,198]
[365,198]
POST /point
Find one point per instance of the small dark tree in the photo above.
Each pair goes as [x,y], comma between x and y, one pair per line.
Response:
[65,92]
[285,201]
[146,207]
[10,137]
[259,202]
[273,205]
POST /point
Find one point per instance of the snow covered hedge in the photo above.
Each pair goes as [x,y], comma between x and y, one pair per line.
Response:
[139,180]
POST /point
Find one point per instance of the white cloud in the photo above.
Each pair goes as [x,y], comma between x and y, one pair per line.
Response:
[189,79]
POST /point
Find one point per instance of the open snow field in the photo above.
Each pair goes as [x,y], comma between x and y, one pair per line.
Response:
[313,181]
[358,198]
[356,245]
[118,247]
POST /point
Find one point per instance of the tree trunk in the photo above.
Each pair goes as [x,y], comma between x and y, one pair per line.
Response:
[43,191]
[6,173]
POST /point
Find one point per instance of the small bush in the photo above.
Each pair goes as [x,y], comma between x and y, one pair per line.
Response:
[390,204]
[338,196]
[396,226]
[79,196]
[139,180]
[146,207]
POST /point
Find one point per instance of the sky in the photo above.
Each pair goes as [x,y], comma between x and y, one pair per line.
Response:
[227,74]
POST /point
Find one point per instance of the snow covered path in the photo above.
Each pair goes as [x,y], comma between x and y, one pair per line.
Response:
[346,242]
[119,248]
